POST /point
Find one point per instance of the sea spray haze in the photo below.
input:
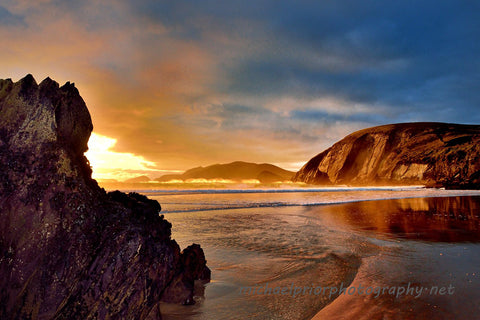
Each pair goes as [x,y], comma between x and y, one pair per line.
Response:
[68,249]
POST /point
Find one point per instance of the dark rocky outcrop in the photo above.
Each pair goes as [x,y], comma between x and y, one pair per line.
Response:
[69,250]
[193,262]
[433,154]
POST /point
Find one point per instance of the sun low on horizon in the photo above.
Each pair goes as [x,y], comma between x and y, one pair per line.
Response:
[267,159]
[173,85]
[111,165]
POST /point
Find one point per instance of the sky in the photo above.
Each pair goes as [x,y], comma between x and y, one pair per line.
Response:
[173,85]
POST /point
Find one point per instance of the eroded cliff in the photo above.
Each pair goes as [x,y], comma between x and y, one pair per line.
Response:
[433,154]
[68,249]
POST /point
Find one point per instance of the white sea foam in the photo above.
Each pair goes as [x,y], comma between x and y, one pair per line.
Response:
[186,200]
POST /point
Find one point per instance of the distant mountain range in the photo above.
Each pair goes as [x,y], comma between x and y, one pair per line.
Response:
[140,179]
[237,171]
[419,153]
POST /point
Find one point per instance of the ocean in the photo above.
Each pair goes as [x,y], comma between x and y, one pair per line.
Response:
[296,253]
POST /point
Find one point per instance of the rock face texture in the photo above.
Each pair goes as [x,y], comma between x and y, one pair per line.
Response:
[68,249]
[433,154]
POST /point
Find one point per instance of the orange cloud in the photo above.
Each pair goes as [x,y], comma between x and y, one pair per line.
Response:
[163,90]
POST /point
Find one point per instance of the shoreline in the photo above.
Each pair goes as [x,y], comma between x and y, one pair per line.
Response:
[247,198]
[430,258]
[387,251]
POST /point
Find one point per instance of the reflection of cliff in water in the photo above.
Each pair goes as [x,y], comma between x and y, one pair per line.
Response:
[447,219]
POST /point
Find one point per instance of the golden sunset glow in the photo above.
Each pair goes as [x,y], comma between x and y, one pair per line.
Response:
[108,164]
[223,85]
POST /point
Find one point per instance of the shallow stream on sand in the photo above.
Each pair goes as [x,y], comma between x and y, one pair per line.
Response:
[289,240]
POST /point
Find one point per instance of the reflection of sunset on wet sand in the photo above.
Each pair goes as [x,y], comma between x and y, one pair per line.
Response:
[447,219]
[423,242]
[300,143]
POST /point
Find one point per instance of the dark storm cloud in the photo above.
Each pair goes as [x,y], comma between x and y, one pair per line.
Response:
[409,55]
[417,55]
[322,116]
[198,82]
[9,19]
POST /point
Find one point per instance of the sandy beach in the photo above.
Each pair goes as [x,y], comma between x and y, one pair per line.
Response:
[415,242]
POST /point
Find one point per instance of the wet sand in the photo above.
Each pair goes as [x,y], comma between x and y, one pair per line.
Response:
[423,242]
[438,247]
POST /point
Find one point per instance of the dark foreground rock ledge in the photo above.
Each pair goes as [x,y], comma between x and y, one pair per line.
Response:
[428,153]
[69,250]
